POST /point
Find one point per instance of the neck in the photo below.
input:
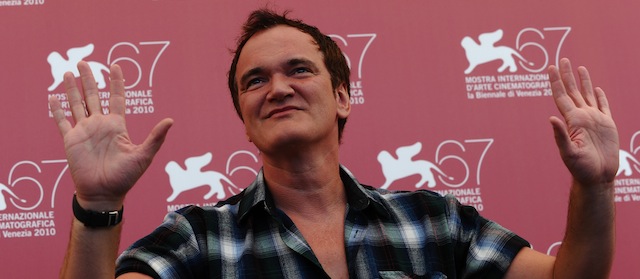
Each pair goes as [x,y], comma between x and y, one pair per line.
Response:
[306,183]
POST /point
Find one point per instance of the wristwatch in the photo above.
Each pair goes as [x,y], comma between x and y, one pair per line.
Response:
[96,219]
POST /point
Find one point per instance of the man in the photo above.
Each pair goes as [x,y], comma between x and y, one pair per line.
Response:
[305,216]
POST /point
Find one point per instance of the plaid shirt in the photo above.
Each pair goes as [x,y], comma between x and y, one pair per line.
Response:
[387,235]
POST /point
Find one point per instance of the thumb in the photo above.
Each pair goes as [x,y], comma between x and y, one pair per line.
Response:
[156,137]
[560,134]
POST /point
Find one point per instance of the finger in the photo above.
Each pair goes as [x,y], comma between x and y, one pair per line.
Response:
[587,86]
[89,88]
[75,97]
[154,140]
[566,73]
[58,115]
[117,100]
[560,96]
[603,103]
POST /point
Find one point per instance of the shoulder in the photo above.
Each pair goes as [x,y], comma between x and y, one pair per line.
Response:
[427,206]
[420,199]
[419,208]
[196,218]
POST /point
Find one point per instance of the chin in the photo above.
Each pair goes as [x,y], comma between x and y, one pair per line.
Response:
[283,141]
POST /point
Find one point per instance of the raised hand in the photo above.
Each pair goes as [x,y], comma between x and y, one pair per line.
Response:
[587,138]
[103,162]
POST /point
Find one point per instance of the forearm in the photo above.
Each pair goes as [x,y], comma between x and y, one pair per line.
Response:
[588,246]
[91,252]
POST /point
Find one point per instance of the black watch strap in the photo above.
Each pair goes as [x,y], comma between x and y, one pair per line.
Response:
[96,219]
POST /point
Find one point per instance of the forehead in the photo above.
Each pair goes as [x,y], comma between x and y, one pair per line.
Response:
[276,45]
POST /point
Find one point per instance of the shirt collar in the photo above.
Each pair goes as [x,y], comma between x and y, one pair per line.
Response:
[257,196]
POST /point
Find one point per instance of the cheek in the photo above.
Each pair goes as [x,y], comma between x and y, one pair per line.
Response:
[243,104]
[249,107]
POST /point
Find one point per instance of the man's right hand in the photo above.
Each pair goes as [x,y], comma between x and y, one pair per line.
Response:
[103,162]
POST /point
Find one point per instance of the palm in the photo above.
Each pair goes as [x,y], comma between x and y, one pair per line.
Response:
[101,156]
[588,138]
[103,162]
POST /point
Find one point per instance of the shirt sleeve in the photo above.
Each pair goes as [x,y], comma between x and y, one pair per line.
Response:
[484,248]
[170,251]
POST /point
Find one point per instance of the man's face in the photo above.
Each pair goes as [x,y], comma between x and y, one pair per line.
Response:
[285,93]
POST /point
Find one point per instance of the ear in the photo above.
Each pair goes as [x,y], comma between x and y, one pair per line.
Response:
[343,101]
[247,134]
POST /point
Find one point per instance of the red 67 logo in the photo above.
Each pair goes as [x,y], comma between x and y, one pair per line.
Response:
[354,48]
[29,183]
[139,60]
[533,49]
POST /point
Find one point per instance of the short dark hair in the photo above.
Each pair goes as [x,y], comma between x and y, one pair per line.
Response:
[265,19]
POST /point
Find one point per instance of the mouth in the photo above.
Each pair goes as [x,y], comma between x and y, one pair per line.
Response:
[281,110]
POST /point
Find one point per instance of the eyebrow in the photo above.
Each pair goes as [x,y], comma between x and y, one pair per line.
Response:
[303,61]
[291,62]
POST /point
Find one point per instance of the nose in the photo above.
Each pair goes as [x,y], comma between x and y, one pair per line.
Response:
[280,88]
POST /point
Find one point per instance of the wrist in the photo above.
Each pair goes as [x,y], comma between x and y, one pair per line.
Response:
[98,203]
[606,187]
[97,218]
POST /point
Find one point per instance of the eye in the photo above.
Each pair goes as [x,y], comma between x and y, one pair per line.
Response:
[254,82]
[301,70]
